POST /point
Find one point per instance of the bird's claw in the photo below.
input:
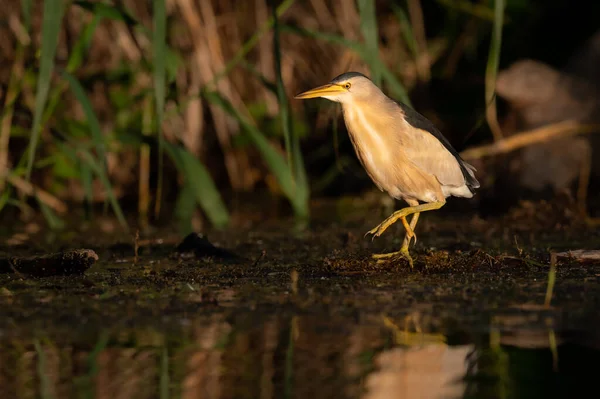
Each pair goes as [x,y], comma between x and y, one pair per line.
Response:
[411,234]
[376,231]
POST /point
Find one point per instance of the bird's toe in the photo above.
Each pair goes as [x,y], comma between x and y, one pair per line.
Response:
[376,231]
[403,253]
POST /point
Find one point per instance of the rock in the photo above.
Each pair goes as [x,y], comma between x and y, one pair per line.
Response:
[66,263]
[196,244]
[539,95]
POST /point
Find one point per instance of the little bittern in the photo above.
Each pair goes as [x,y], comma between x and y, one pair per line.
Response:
[401,150]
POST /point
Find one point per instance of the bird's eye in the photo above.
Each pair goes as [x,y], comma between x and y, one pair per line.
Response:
[347,86]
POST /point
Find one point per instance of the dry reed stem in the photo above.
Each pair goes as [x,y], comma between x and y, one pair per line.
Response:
[126,42]
[322,14]
[19,30]
[28,189]
[7,114]
[523,139]
[412,69]
[5,126]
[144,168]
[265,56]
[237,162]
[225,126]
[348,19]
[194,116]
[210,60]
[16,75]
[418,25]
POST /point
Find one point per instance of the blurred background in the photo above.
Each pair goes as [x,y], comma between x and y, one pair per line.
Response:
[182,111]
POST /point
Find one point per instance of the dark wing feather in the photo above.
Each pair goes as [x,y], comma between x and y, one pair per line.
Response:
[418,121]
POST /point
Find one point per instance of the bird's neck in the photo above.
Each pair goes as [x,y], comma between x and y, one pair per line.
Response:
[367,131]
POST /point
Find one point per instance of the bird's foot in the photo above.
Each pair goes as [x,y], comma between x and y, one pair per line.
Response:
[381,258]
[383,226]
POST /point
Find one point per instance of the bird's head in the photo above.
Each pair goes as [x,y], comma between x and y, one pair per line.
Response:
[345,88]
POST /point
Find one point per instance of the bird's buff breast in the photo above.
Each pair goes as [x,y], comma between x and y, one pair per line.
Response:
[379,147]
[376,151]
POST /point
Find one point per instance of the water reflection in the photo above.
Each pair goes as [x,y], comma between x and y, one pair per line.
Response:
[247,355]
[420,365]
[429,371]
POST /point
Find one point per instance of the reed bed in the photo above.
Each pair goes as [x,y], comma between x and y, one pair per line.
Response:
[130,102]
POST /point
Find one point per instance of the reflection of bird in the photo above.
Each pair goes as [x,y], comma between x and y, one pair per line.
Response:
[402,151]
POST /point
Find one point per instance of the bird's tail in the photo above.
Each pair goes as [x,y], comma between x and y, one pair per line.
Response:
[470,178]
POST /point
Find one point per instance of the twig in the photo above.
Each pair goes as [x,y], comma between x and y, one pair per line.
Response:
[519,140]
[27,188]
[260,257]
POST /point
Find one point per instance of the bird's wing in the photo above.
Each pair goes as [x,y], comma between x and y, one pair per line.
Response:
[432,152]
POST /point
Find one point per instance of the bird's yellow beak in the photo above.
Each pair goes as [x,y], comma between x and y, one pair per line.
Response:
[320,91]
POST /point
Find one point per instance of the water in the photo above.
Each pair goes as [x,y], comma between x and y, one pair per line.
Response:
[261,352]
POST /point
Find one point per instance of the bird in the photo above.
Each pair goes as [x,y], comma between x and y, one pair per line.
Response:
[402,151]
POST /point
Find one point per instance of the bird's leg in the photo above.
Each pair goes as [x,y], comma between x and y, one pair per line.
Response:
[413,224]
[409,231]
[404,249]
[403,213]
